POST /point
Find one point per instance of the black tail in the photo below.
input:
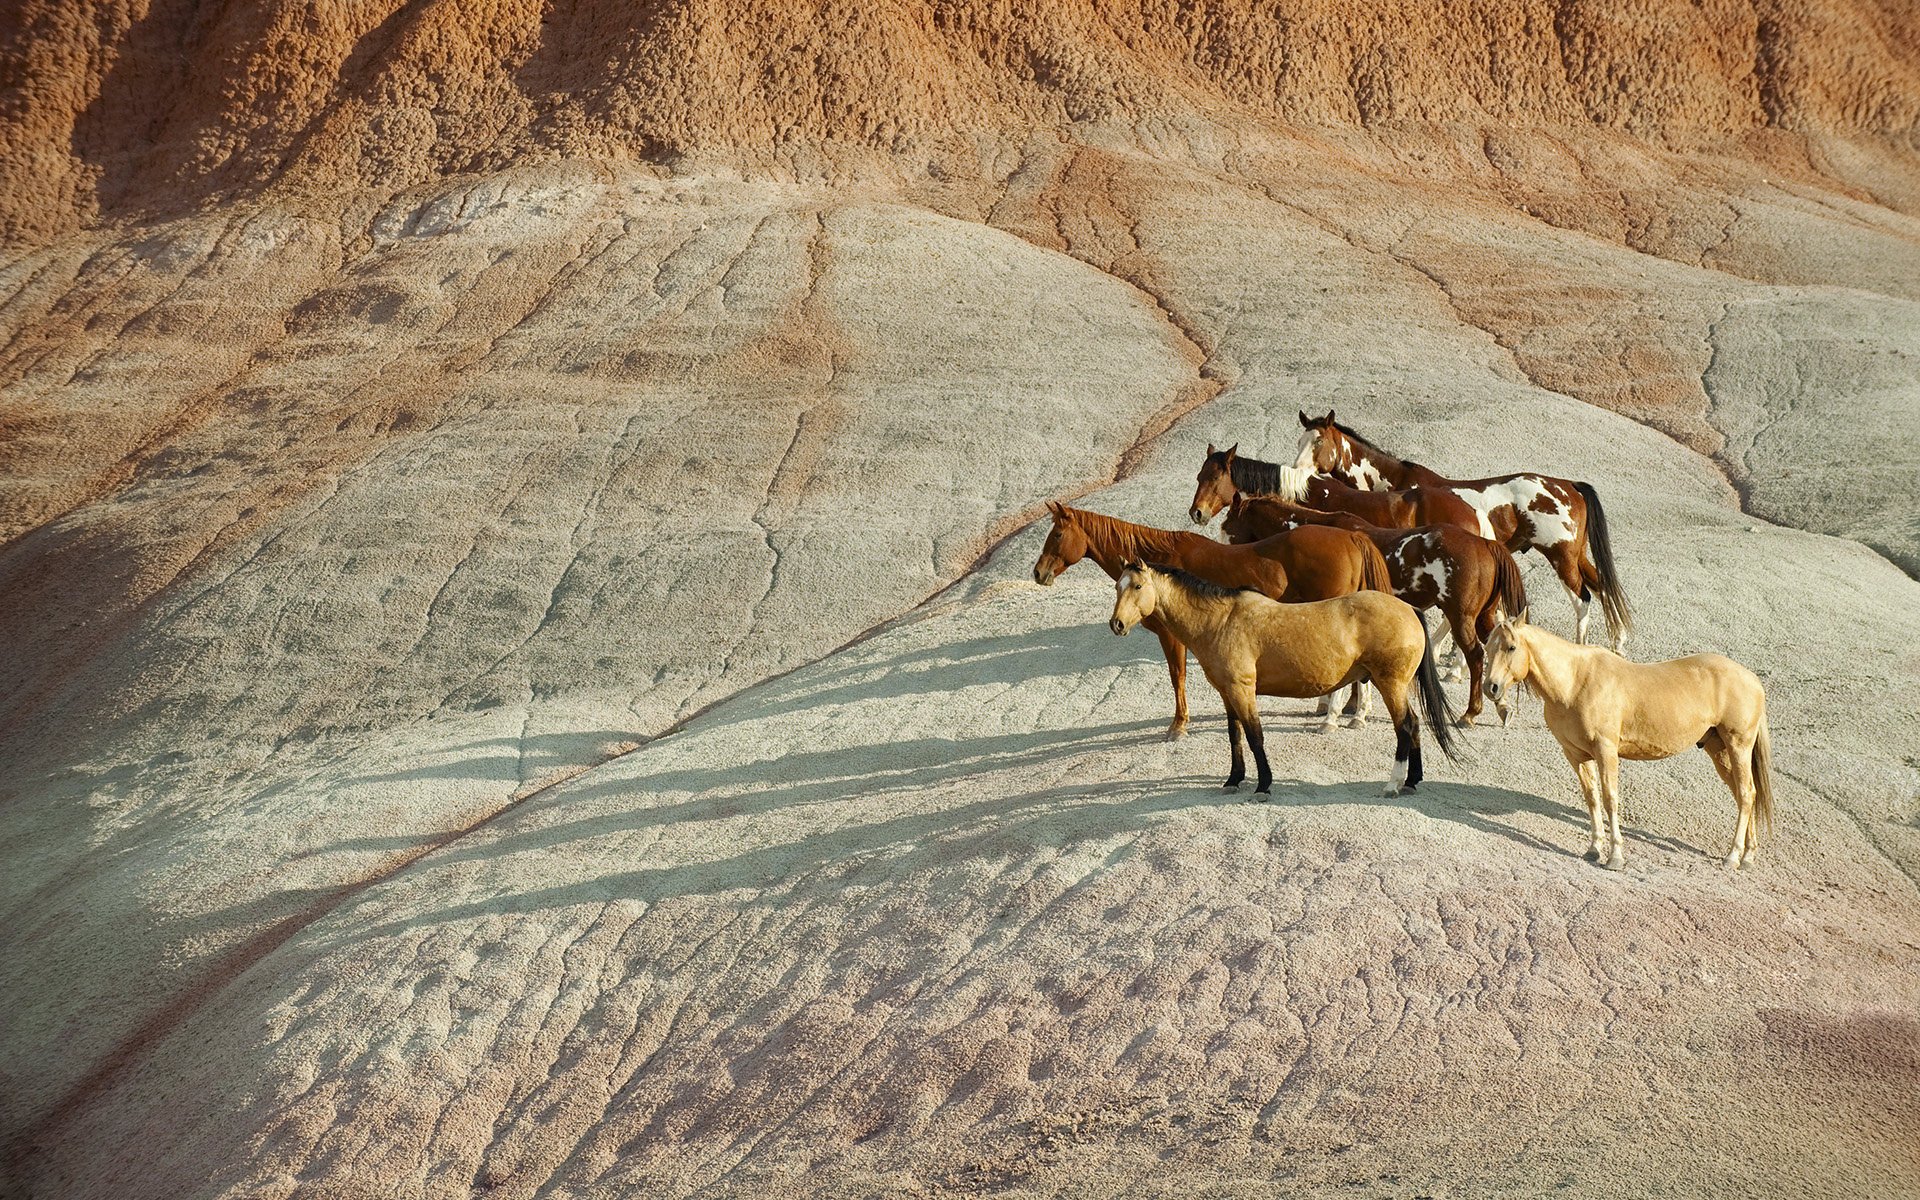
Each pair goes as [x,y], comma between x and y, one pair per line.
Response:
[1433,699]
[1613,598]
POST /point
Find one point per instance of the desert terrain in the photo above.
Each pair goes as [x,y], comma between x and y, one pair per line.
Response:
[522,674]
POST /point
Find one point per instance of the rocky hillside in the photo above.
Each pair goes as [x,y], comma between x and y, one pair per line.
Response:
[516,538]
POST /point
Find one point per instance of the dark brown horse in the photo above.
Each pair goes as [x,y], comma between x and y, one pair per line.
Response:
[1471,580]
[1561,518]
[1299,565]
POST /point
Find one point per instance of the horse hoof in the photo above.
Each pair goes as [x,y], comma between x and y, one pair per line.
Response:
[1465,720]
[1591,855]
[1617,863]
[1355,722]
[1175,733]
[1231,785]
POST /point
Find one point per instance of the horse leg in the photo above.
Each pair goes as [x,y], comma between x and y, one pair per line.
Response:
[1566,564]
[1325,713]
[1359,705]
[1250,720]
[1744,834]
[1609,757]
[1177,675]
[1407,771]
[1588,772]
[1464,637]
[1449,658]
[1238,770]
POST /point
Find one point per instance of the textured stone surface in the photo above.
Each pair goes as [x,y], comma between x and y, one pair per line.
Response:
[527,681]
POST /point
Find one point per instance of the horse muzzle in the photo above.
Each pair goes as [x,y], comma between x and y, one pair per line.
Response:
[1118,626]
[1199,518]
[1043,578]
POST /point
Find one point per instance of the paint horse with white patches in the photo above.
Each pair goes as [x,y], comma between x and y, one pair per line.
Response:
[1472,581]
[1251,646]
[1561,518]
[1603,708]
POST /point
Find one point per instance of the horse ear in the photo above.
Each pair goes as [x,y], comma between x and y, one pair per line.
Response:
[1520,618]
[1233,449]
[1329,418]
[1210,450]
[1057,509]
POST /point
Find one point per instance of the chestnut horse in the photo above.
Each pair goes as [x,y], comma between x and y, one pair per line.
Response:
[1292,567]
[1249,646]
[1561,519]
[1471,580]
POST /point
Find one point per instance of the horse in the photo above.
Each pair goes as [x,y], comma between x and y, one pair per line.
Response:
[1250,646]
[1603,708]
[1562,518]
[1286,567]
[1471,580]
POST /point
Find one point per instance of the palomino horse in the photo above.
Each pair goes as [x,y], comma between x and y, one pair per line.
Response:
[1251,646]
[1287,567]
[1471,580]
[1604,708]
[1561,518]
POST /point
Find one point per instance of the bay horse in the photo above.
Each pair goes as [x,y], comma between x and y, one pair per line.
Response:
[1562,518]
[1471,580]
[1249,646]
[1286,567]
[1603,708]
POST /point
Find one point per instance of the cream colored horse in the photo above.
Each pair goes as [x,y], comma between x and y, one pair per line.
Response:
[1249,645]
[1604,708]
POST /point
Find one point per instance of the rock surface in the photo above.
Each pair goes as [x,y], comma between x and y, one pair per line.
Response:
[517,535]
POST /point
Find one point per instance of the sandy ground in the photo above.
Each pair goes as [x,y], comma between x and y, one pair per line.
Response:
[536,689]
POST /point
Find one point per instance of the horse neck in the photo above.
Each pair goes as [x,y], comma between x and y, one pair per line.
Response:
[1254,476]
[1114,543]
[1192,617]
[1395,471]
[1553,675]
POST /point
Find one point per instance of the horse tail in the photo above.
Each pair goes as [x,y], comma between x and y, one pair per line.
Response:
[1374,576]
[1613,598]
[1433,698]
[1763,778]
[1508,587]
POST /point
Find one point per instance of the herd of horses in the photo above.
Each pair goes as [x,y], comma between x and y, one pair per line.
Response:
[1330,562]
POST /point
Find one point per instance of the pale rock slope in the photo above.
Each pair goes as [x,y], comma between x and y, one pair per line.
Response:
[524,679]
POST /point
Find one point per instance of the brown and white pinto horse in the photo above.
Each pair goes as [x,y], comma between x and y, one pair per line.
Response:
[1297,566]
[1562,519]
[1472,581]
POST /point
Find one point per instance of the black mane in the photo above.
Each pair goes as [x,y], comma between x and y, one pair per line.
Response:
[1376,447]
[1254,476]
[1206,587]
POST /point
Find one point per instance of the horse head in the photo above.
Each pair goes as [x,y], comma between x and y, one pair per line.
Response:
[1505,659]
[1215,488]
[1324,447]
[1133,598]
[1065,545]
